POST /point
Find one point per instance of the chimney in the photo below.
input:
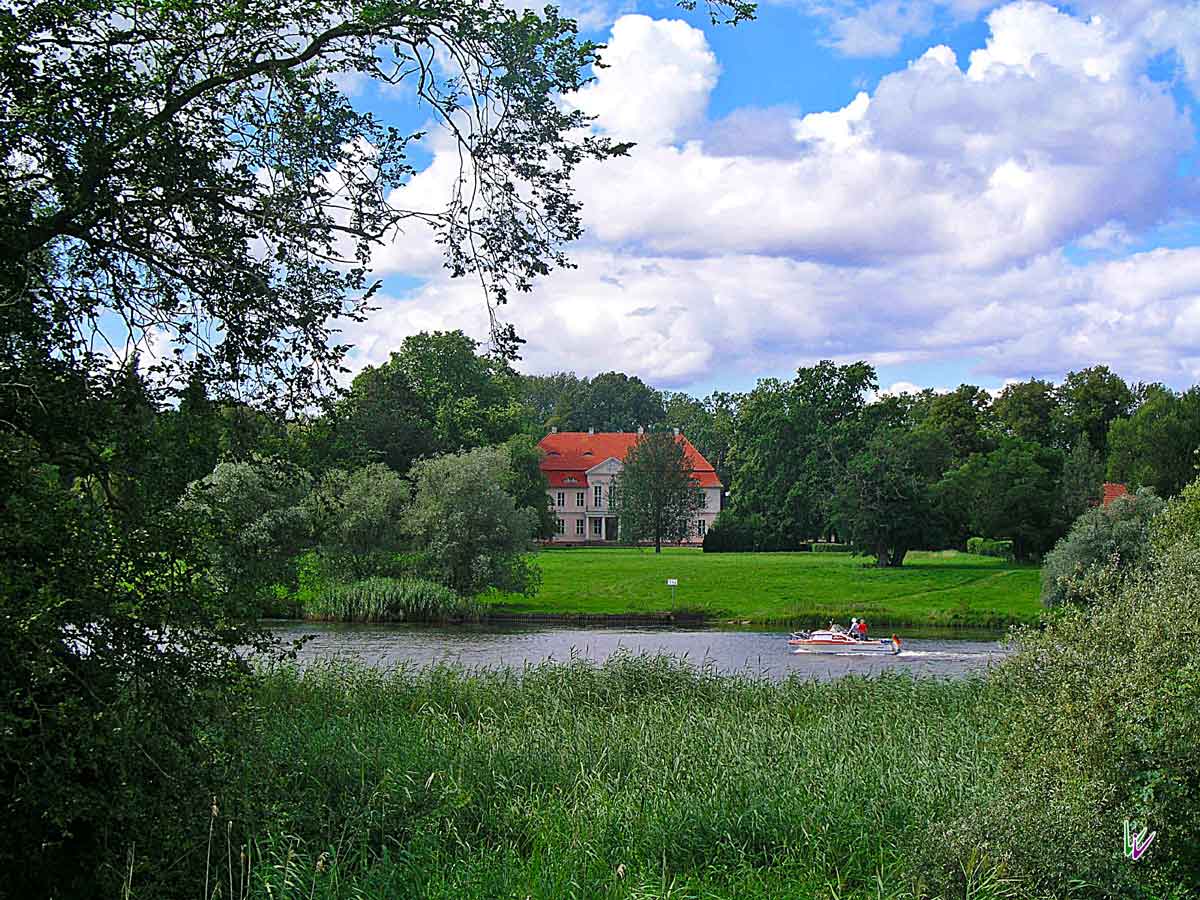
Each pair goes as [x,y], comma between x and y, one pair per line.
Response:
[554,429]
[676,430]
[591,431]
[641,430]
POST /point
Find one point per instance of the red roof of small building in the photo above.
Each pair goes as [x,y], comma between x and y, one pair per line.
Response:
[1112,491]
[572,453]
[566,479]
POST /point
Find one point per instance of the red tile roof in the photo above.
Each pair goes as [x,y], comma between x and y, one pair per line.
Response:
[574,452]
[1113,491]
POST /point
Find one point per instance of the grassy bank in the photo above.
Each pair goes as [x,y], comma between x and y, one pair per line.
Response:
[640,779]
[946,588]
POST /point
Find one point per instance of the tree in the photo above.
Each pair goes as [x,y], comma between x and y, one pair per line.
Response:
[1089,401]
[251,523]
[357,520]
[613,401]
[1028,410]
[1158,445]
[884,500]
[963,418]
[527,484]
[189,175]
[1082,483]
[1117,534]
[1010,493]
[790,441]
[468,528]
[708,424]
[657,496]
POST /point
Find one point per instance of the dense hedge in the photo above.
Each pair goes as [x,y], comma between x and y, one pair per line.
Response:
[829,547]
[988,547]
[734,533]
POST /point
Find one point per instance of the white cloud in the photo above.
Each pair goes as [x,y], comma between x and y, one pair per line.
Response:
[922,223]
[655,81]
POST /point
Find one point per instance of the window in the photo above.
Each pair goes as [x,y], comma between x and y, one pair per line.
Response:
[700,526]
[579,498]
[562,499]
[599,497]
[704,499]
[560,526]
[579,527]
[597,525]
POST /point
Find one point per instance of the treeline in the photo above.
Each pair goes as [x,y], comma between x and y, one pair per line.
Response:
[819,457]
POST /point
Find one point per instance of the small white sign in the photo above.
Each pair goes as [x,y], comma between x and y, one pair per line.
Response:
[672,582]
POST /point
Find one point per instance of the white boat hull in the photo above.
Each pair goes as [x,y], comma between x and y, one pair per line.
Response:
[837,642]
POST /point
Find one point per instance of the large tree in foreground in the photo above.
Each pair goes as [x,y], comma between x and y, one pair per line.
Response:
[189,177]
[656,495]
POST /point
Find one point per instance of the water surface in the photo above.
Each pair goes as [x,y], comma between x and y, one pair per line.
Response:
[761,653]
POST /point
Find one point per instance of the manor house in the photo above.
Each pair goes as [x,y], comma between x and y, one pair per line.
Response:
[581,466]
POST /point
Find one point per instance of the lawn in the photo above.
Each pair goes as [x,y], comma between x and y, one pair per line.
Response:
[936,588]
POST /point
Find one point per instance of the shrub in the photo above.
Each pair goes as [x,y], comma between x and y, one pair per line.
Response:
[988,547]
[736,532]
[1180,520]
[1119,531]
[1100,723]
[830,547]
[380,599]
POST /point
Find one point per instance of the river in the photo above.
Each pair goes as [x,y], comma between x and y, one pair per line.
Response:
[760,653]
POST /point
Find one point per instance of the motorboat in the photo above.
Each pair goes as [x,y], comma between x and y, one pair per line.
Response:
[826,641]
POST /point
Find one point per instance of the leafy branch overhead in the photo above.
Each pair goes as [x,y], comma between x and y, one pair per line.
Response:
[196,168]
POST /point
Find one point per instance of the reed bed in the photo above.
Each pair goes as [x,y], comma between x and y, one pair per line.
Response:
[638,778]
[381,599]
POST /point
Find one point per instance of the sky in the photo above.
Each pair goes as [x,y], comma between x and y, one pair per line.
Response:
[952,190]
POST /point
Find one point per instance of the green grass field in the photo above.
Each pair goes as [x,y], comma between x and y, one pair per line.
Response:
[939,588]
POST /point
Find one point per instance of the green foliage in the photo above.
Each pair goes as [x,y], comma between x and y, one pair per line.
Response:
[527,483]
[112,666]
[963,419]
[735,531]
[1118,534]
[884,501]
[251,523]
[790,440]
[638,778]
[1158,445]
[1082,483]
[1029,410]
[612,401]
[469,529]
[656,496]
[1010,492]
[988,547]
[1100,723]
[379,599]
[1089,402]
[830,547]
[1179,522]
[357,519]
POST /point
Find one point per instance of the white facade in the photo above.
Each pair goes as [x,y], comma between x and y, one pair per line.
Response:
[595,521]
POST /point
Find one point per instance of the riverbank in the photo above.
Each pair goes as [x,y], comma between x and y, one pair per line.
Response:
[641,778]
[629,586]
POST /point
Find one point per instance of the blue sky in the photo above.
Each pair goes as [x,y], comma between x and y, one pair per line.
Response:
[953,190]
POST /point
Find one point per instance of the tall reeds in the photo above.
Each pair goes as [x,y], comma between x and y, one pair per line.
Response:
[381,599]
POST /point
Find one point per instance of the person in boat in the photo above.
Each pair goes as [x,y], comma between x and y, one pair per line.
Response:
[854,629]
[862,629]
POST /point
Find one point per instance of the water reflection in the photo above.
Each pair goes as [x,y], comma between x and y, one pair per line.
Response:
[760,653]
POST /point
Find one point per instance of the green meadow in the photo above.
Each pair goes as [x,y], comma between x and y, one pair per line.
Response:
[944,588]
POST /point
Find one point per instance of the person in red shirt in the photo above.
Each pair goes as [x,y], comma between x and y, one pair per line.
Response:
[862,629]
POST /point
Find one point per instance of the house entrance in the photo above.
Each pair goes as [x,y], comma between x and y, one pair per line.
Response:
[610,528]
